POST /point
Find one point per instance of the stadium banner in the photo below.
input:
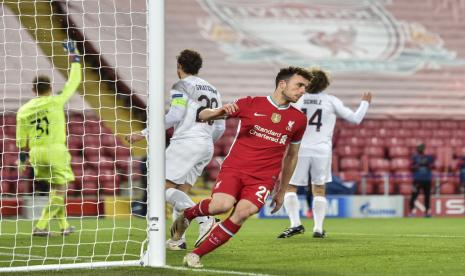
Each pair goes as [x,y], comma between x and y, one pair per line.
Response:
[348,207]
[377,206]
[441,206]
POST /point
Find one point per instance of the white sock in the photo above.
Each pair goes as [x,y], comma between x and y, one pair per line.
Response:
[181,201]
[319,213]
[292,206]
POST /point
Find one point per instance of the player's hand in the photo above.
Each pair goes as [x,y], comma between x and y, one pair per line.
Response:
[230,108]
[134,137]
[71,48]
[367,97]
[277,201]
[21,166]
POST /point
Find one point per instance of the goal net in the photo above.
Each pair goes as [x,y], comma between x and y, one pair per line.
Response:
[48,218]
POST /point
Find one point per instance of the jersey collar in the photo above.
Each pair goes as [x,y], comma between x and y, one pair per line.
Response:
[280,107]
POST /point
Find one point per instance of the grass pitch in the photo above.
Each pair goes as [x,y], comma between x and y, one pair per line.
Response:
[414,246]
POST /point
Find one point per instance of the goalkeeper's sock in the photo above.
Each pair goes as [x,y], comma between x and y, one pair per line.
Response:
[218,236]
[49,211]
[61,215]
[319,212]
[292,206]
[198,210]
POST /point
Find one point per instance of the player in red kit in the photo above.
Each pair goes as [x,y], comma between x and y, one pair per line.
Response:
[268,126]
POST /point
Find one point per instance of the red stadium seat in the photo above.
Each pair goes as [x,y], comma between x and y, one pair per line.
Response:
[108,140]
[429,125]
[402,177]
[413,141]
[455,142]
[394,141]
[392,124]
[398,151]
[347,132]
[449,125]
[371,124]
[390,188]
[400,164]
[442,134]
[76,128]
[383,132]
[410,124]
[435,142]
[458,133]
[402,133]
[375,141]
[424,133]
[365,132]
[379,165]
[374,151]
[447,189]
[349,151]
[350,163]
[405,189]
[351,176]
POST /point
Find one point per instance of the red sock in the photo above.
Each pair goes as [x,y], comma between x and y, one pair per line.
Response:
[219,235]
[198,210]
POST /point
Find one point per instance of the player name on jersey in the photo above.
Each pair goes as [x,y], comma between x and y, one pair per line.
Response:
[312,101]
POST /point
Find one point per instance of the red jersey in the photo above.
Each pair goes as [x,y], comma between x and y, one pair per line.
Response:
[265,130]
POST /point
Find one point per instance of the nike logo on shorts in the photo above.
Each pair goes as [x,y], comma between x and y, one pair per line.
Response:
[258,114]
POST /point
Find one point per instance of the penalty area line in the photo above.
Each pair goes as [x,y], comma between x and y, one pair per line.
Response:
[223,272]
[401,235]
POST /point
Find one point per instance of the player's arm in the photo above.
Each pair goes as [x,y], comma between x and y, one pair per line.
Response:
[289,164]
[178,109]
[75,75]
[218,129]
[209,114]
[350,116]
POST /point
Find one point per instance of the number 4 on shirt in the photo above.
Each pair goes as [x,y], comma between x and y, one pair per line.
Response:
[315,119]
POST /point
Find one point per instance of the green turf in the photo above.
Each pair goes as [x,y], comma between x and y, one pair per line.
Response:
[353,247]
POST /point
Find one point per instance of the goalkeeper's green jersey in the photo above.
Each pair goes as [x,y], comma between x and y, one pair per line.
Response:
[41,121]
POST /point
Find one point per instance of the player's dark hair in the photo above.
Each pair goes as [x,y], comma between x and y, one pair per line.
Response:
[41,84]
[286,73]
[319,82]
[190,61]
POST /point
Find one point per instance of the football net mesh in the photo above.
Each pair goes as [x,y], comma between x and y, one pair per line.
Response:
[105,203]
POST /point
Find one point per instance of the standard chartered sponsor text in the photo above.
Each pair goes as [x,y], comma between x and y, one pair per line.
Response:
[265,133]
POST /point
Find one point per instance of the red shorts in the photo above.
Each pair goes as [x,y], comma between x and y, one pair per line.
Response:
[244,186]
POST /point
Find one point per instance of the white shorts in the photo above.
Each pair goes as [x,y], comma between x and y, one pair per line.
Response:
[186,159]
[318,167]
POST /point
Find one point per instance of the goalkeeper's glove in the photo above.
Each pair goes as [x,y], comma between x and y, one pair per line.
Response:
[71,47]
[22,161]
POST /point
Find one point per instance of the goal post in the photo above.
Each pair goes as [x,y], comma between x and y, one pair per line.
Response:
[99,202]
[156,253]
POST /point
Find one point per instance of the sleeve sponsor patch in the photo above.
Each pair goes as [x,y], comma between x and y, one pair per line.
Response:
[176,96]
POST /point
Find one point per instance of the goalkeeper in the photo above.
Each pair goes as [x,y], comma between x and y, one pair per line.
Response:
[41,134]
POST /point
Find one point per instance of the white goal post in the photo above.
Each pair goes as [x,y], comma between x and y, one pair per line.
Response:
[103,239]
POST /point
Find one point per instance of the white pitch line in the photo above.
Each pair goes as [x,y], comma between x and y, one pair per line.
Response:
[401,235]
[37,256]
[223,272]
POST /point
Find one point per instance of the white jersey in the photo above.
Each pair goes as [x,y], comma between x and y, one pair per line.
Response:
[322,110]
[199,95]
